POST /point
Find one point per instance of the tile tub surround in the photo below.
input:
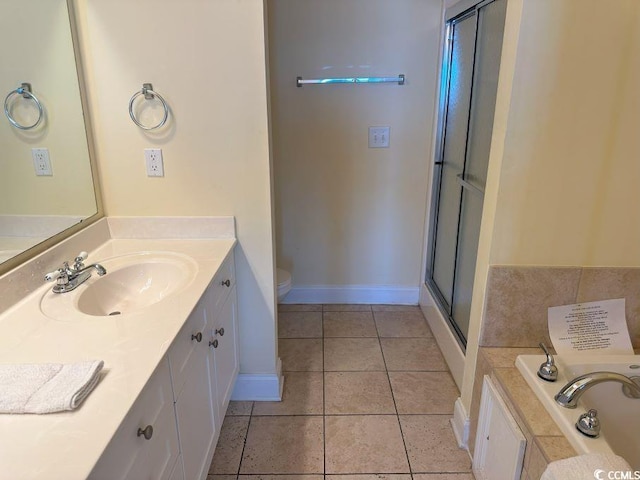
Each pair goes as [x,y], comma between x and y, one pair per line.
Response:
[519,297]
[545,441]
[343,416]
[130,347]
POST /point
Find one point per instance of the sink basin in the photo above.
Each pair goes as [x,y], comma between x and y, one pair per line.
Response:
[133,283]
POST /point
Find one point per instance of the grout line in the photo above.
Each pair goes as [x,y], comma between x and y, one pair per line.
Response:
[324,408]
[244,444]
[393,397]
[448,414]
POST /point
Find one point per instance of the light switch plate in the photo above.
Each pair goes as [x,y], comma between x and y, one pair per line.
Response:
[379,137]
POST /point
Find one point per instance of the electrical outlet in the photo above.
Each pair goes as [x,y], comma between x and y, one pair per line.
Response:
[153,159]
[41,162]
[379,137]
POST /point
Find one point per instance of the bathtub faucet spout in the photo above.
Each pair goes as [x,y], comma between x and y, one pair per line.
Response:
[569,395]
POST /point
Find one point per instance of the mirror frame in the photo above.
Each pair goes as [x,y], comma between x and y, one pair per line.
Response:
[51,241]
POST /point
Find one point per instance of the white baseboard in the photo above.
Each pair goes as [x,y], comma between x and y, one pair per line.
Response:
[374,294]
[259,387]
[460,424]
[446,340]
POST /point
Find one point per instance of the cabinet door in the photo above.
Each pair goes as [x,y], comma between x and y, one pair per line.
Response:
[191,339]
[225,357]
[178,471]
[500,445]
[132,456]
[195,415]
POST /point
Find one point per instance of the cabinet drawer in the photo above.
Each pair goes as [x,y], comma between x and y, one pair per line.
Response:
[223,282]
[193,334]
[132,456]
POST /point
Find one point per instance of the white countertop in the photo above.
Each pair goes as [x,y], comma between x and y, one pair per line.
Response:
[67,445]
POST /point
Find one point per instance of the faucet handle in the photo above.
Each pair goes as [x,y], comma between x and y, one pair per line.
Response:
[548,370]
[51,276]
[589,424]
[78,262]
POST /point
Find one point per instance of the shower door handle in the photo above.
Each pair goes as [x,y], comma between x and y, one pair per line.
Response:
[467,185]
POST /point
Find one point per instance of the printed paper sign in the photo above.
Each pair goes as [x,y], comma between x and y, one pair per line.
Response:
[594,327]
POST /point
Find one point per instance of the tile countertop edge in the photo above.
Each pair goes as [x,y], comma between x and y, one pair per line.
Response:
[68,445]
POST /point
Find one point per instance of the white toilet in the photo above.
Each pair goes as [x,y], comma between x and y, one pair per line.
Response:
[284,283]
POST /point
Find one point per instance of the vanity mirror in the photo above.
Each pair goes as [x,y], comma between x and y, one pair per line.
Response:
[46,181]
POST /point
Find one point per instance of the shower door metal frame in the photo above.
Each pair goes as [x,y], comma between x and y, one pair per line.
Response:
[454,14]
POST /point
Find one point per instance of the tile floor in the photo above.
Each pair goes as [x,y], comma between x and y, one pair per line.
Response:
[367,395]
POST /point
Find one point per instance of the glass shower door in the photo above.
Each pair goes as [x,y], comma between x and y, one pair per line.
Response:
[469,87]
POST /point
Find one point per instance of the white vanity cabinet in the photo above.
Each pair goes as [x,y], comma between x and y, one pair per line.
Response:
[186,399]
[194,391]
[204,366]
[145,447]
[224,343]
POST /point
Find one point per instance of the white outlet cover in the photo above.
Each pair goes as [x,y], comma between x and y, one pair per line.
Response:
[153,162]
[41,162]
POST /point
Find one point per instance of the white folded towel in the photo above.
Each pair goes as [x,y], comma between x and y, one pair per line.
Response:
[583,467]
[47,387]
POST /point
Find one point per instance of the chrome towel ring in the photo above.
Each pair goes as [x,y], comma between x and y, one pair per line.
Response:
[149,94]
[25,91]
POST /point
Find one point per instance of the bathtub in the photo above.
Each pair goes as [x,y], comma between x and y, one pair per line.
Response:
[619,416]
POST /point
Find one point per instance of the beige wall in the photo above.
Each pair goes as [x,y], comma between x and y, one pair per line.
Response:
[36,47]
[570,174]
[564,167]
[207,59]
[347,214]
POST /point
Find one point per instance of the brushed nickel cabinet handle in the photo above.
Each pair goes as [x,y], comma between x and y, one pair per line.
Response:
[147,432]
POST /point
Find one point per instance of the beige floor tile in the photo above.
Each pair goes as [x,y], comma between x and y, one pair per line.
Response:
[346,307]
[379,476]
[351,354]
[300,325]
[412,354]
[281,477]
[303,307]
[301,355]
[396,308]
[424,392]
[226,459]
[432,446]
[284,445]
[349,324]
[222,477]
[402,324]
[236,409]
[302,395]
[444,476]
[364,444]
[357,392]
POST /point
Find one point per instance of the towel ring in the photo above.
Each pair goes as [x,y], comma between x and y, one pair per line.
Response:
[149,94]
[25,91]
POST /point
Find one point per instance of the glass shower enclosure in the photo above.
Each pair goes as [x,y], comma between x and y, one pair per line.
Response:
[469,85]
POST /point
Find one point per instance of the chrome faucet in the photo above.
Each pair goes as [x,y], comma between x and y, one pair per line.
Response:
[569,395]
[548,370]
[70,277]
